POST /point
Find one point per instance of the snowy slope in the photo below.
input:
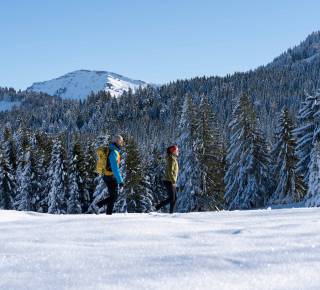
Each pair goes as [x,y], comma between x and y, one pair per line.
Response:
[262,249]
[79,84]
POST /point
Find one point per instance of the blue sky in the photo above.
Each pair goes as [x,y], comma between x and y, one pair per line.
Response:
[155,41]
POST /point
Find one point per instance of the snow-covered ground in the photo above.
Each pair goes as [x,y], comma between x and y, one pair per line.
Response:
[79,84]
[262,249]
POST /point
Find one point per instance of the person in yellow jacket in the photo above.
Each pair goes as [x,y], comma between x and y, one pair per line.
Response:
[170,178]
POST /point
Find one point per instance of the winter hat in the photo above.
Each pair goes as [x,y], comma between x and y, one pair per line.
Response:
[172,149]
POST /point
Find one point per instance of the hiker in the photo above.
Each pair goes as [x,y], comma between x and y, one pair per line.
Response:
[108,166]
[170,178]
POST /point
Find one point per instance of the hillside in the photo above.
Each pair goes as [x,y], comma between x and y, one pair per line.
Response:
[262,249]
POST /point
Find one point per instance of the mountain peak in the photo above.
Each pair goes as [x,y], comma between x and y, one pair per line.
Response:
[81,83]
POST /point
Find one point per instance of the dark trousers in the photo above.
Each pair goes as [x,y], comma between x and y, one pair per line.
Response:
[172,192]
[112,186]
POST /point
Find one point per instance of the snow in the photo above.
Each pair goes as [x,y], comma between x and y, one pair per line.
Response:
[258,249]
[7,105]
[79,84]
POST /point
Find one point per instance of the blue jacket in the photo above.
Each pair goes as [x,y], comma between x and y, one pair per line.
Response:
[114,156]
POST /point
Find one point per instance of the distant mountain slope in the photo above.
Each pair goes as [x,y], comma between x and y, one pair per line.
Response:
[306,52]
[79,84]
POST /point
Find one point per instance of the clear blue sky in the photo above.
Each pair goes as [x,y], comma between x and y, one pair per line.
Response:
[151,40]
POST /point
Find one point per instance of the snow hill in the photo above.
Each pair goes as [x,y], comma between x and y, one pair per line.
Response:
[79,84]
[261,249]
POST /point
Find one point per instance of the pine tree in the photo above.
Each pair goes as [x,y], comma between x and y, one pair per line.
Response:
[78,194]
[289,186]
[90,175]
[156,172]
[146,200]
[210,156]
[313,195]
[7,180]
[40,167]
[139,198]
[28,187]
[188,164]
[305,134]
[74,205]
[43,148]
[23,145]
[57,173]
[11,147]
[248,161]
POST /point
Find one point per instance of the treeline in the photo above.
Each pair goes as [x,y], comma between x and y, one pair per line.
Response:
[55,173]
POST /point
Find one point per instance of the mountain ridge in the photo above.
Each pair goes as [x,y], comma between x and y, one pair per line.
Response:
[79,84]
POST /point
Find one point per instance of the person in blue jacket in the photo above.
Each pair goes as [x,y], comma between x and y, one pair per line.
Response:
[112,177]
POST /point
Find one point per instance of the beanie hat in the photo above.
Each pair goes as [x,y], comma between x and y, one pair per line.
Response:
[171,149]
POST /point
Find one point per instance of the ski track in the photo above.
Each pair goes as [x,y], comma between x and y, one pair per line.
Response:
[260,249]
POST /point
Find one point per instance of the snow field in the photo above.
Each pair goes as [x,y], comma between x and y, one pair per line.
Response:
[260,249]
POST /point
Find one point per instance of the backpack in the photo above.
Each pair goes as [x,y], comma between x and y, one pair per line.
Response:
[101,165]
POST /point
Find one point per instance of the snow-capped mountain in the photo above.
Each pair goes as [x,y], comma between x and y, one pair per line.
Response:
[79,84]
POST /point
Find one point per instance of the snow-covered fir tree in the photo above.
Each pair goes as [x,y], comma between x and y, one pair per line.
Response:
[305,134]
[90,175]
[247,160]
[28,186]
[8,137]
[7,179]
[78,195]
[156,169]
[289,186]
[23,145]
[146,201]
[210,156]
[313,194]
[188,163]
[57,175]
[137,186]
[73,204]
[44,149]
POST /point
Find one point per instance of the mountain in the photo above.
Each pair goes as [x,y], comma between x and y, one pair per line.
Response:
[81,83]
